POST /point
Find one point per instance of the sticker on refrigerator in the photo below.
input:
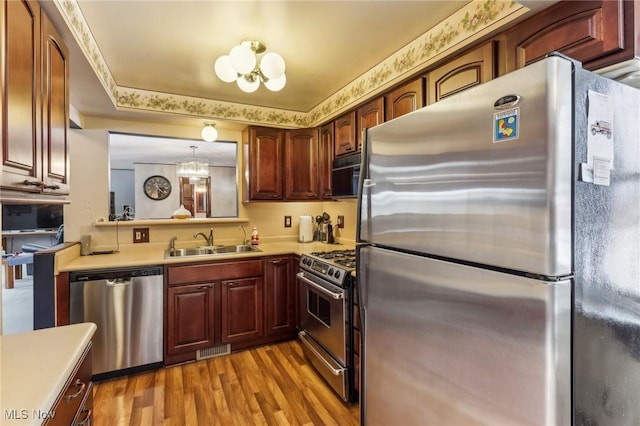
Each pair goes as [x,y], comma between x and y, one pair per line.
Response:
[600,135]
[506,125]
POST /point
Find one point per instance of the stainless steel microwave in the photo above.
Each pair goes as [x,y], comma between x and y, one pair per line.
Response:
[345,172]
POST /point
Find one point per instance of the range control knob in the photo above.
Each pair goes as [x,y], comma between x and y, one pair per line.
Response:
[337,273]
[330,271]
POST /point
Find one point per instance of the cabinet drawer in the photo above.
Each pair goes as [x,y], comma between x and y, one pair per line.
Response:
[73,394]
[208,272]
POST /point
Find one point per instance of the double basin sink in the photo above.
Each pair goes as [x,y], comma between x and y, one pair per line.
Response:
[210,250]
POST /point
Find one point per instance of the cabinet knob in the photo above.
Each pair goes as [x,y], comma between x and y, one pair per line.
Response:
[51,187]
[33,183]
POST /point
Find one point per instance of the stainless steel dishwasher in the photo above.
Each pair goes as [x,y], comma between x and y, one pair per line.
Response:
[126,305]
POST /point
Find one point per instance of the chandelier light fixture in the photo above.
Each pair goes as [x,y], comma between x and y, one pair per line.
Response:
[209,132]
[193,168]
[241,66]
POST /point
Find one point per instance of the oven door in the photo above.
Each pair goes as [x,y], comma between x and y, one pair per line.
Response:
[323,335]
[323,310]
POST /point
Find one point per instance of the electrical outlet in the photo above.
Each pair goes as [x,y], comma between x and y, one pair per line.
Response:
[287,221]
[340,221]
[140,235]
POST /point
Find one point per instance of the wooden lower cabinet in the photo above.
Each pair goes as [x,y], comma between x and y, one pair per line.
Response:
[241,303]
[280,296]
[75,402]
[191,319]
[242,315]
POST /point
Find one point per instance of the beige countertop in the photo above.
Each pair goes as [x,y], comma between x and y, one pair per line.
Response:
[153,254]
[35,368]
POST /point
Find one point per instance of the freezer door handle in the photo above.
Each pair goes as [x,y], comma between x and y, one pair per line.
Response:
[368,183]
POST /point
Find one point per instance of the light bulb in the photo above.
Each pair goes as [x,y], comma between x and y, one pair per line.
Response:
[276,84]
[248,86]
[209,133]
[243,60]
[272,65]
[224,70]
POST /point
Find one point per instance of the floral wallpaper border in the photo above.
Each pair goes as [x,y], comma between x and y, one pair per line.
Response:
[473,21]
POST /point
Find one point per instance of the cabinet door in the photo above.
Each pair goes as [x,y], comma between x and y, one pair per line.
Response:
[21,73]
[325,159]
[301,164]
[368,115]
[265,164]
[242,310]
[190,317]
[280,296]
[597,33]
[404,99]
[345,134]
[470,69]
[55,110]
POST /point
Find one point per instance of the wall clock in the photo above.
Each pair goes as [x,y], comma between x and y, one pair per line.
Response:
[157,187]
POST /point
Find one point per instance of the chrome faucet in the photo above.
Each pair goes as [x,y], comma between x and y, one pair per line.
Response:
[208,239]
[172,243]
[245,241]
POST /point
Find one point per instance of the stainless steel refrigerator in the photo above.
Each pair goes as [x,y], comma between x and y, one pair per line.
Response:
[499,270]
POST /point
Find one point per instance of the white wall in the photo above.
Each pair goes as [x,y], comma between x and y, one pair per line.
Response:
[146,208]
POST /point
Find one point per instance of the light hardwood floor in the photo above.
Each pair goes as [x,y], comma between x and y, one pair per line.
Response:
[271,385]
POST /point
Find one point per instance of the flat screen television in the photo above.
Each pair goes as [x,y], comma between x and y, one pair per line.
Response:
[31,217]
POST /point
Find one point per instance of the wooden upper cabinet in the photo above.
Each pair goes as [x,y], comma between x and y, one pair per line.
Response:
[369,115]
[596,33]
[35,104]
[21,75]
[301,164]
[470,69]
[325,152]
[265,158]
[405,99]
[55,110]
[345,134]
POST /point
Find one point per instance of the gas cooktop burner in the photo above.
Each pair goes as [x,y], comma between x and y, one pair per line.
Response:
[335,254]
[334,266]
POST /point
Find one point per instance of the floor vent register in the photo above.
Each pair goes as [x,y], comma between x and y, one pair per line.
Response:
[213,351]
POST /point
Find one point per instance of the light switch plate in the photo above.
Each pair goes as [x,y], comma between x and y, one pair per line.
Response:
[287,221]
[340,221]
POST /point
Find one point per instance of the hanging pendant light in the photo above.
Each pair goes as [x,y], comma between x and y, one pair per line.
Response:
[193,168]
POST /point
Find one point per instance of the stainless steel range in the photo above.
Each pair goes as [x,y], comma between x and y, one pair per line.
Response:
[326,316]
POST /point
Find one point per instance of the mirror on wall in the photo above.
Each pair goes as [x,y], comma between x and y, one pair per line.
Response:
[145,181]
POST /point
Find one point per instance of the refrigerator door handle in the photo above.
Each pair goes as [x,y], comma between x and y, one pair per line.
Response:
[364,202]
[368,183]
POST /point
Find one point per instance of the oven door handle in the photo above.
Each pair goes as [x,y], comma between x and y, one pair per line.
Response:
[303,338]
[327,292]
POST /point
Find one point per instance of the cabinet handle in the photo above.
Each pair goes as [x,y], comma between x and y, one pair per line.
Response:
[87,417]
[80,391]
[275,196]
[32,183]
[231,284]
[202,287]
[278,262]
[51,187]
